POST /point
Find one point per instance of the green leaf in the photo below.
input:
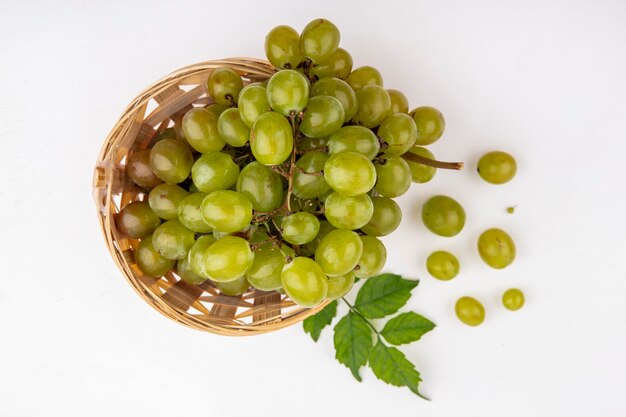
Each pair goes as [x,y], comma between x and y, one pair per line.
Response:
[383,295]
[391,366]
[406,328]
[353,342]
[316,323]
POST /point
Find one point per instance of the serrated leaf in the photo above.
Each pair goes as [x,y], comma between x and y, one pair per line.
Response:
[383,295]
[353,342]
[406,328]
[391,366]
[316,323]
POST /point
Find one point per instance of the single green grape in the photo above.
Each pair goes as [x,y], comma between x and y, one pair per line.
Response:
[430,124]
[300,228]
[233,288]
[443,265]
[338,65]
[399,102]
[350,173]
[373,258]
[232,129]
[189,213]
[264,274]
[349,212]
[323,115]
[497,167]
[150,261]
[421,173]
[513,299]
[227,211]
[228,259]
[308,181]
[252,103]
[393,176]
[164,200]
[399,133]
[496,248]
[261,185]
[282,47]
[173,240]
[319,40]
[217,109]
[171,160]
[214,171]
[183,268]
[224,85]
[357,139]
[271,139]
[364,76]
[139,171]
[443,216]
[308,249]
[339,89]
[385,219]
[137,220]
[339,252]
[470,311]
[304,282]
[373,106]
[196,255]
[201,131]
[313,144]
[287,91]
[339,286]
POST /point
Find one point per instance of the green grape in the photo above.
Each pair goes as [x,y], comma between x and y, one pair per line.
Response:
[421,173]
[497,167]
[262,186]
[150,261]
[282,47]
[430,124]
[300,228]
[385,219]
[232,129]
[173,240]
[312,144]
[307,183]
[183,268]
[470,311]
[137,220]
[227,211]
[217,109]
[264,274]
[349,212]
[393,177]
[308,249]
[443,265]
[224,85]
[319,40]
[350,173]
[228,259]
[339,286]
[399,102]
[496,248]
[322,116]
[399,132]
[214,171]
[271,139]
[252,103]
[338,65]
[190,213]
[196,255]
[364,76]
[171,160]
[443,216]
[357,139]
[233,288]
[373,258]
[304,282]
[287,91]
[138,169]
[513,299]
[339,252]
[164,200]
[339,89]
[373,106]
[201,132]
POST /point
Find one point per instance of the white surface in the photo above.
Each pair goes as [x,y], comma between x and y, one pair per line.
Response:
[541,79]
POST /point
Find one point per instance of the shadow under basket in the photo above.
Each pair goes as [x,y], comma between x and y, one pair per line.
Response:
[200,307]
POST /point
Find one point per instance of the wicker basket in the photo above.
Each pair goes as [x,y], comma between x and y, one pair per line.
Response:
[201,306]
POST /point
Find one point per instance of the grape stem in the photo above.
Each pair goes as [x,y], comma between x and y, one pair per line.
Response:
[432,162]
[317,173]
[279,171]
[318,149]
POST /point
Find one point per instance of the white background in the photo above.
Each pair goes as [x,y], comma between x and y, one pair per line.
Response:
[544,80]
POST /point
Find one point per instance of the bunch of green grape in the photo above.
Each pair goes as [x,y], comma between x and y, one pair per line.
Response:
[285,184]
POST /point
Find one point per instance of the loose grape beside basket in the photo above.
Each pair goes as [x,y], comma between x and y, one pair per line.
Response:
[200,307]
